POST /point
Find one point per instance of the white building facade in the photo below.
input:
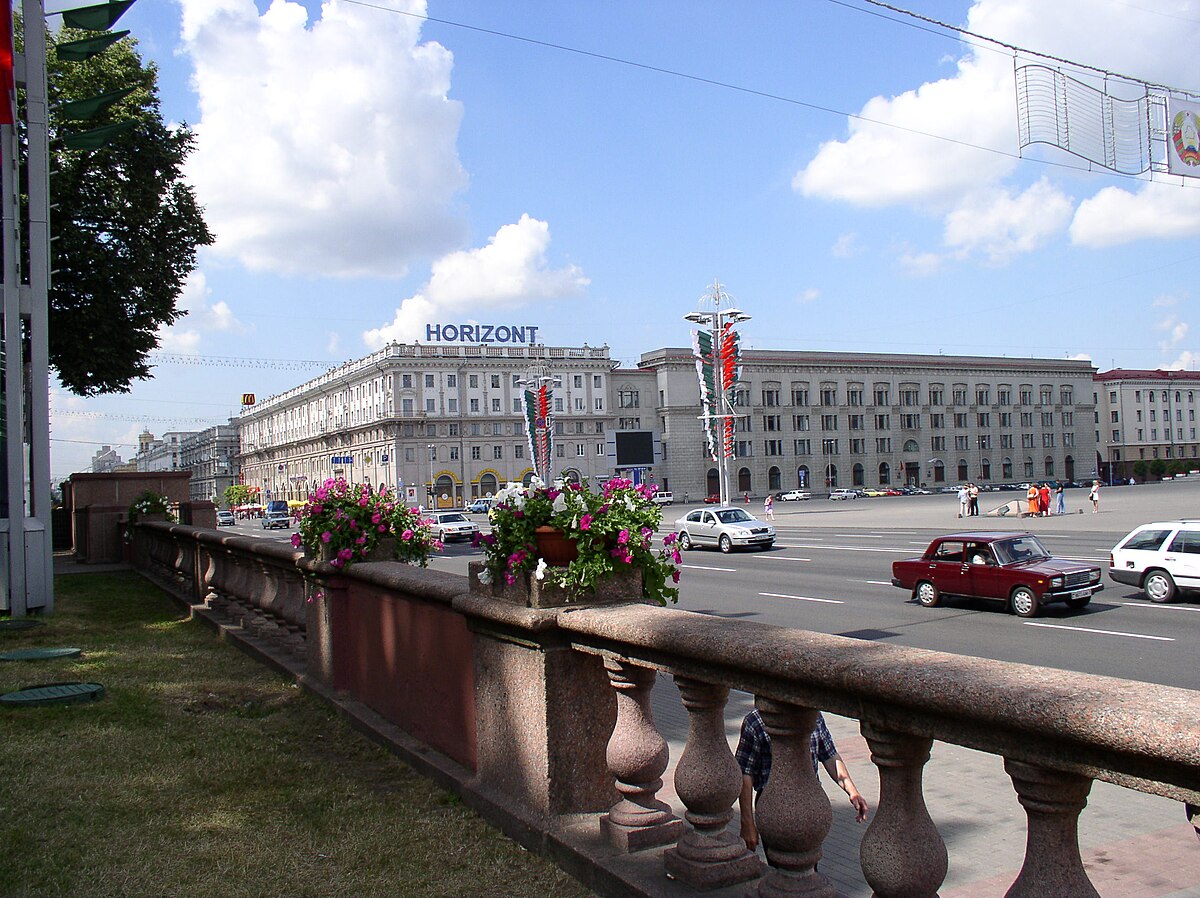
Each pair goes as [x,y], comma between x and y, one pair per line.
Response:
[819,421]
[440,421]
[1146,422]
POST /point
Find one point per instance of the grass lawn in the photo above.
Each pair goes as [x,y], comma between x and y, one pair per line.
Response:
[203,773]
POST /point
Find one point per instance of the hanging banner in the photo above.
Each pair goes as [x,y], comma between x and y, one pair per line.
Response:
[1183,138]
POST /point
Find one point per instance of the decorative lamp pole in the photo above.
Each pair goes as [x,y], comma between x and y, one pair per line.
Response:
[718,363]
[538,386]
[432,487]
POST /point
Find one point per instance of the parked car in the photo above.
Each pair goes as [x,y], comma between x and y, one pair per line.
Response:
[1013,568]
[480,506]
[871,493]
[1161,559]
[712,500]
[277,520]
[451,525]
[843,494]
[795,496]
[727,528]
[225,519]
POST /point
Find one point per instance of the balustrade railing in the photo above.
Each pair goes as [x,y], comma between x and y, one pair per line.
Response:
[1056,731]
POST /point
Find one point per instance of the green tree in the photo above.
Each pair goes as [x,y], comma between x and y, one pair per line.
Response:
[1140,469]
[236,494]
[1158,468]
[126,225]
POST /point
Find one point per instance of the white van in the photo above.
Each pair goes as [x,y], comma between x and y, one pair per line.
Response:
[663,498]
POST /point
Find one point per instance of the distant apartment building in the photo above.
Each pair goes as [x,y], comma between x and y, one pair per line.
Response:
[106,460]
[212,457]
[1146,416]
[160,454]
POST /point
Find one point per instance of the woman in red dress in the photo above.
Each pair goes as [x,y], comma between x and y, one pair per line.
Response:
[1044,500]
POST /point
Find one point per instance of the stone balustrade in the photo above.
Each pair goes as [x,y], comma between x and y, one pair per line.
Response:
[546,713]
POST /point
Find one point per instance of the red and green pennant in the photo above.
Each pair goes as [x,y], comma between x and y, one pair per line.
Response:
[539,427]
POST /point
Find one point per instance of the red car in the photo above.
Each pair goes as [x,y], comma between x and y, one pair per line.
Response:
[712,500]
[1013,568]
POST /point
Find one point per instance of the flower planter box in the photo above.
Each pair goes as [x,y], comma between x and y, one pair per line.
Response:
[529,592]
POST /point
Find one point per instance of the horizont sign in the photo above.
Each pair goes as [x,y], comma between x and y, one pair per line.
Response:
[481,333]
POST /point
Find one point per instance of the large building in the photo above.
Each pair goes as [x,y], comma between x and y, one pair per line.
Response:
[452,417]
[821,420]
[446,420]
[1144,417]
[212,457]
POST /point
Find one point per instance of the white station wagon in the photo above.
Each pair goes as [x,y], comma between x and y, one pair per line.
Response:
[1160,559]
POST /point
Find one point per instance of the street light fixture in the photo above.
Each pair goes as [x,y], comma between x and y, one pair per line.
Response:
[718,409]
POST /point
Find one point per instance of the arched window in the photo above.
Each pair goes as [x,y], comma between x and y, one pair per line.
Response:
[1006,468]
[444,495]
[802,480]
[1028,466]
[1069,465]
[939,472]
[743,480]
[1049,465]
[885,474]
[962,469]
[985,470]
[831,476]
[714,482]
[911,446]
[858,475]
[571,476]
[488,485]
[774,480]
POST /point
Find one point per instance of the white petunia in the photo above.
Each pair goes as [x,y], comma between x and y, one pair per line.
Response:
[485,577]
[540,570]
[560,503]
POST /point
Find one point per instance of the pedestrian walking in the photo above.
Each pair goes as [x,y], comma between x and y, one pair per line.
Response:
[769,508]
[747,498]
[1060,498]
[754,757]
[1094,495]
[964,501]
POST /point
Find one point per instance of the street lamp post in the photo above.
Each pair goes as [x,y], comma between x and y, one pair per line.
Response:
[432,487]
[716,320]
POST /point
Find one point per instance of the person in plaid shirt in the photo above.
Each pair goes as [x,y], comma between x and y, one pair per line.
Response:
[754,757]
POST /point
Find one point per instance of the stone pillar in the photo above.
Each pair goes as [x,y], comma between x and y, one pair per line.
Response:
[793,813]
[318,627]
[637,756]
[903,854]
[708,780]
[1053,801]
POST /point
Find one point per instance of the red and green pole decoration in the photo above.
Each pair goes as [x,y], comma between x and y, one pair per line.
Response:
[539,426]
[99,17]
[719,369]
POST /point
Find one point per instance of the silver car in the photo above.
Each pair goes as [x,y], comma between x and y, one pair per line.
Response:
[726,528]
[450,525]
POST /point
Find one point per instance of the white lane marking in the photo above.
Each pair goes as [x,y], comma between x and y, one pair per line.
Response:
[852,548]
[859,535]
[1101,632]
[781,558]
[779,595]
[879,582]
[701,567]
[1158,606]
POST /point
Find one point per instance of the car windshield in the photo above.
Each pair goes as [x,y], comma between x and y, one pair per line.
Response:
[1020,548]
[733,516]
[452,518]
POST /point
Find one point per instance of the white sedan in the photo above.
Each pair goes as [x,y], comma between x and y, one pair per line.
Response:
[795,496]
[448,525]
[726,528]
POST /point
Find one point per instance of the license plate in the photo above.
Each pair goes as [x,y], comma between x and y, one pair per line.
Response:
[1080,594]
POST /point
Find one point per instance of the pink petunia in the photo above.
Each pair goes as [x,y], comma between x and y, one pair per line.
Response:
[585,522]
[326,536]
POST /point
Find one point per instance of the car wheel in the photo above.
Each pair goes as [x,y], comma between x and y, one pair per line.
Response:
[1024,602]
[1158,586]
[726,544]
[927,594]
[685,541]
[1078,603]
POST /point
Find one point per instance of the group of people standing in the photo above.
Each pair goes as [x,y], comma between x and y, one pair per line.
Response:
[968,500]
[1039,499]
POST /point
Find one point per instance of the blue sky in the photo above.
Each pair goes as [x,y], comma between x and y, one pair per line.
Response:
[851,175]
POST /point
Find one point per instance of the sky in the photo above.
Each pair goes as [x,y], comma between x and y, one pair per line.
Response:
[852,177]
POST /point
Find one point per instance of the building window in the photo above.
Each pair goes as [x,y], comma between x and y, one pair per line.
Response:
[1004,396]
[829,422]
[1027,419]
[854,395]
[1116,436]
[937,395]
[743,449]
[959,394]
[1047,395]
[800,422]
[429,381]
[855,422]
[772,423]
[937,444]
[497,452]
[1006,441]
[882,394]
[627,399]
[496,405]
[1048,440]
[858,446]
[1027,399]
[577,380]
[883,444]
[629,423]
[406,381]
[828,395]
[937,421]
[985,419]
[960,419]
[773,447]
[883,422]
[430,405]
[982,395]
[961,442]
[742,425]
[495,381]
[1026,441]
[800,395]
[803,447]
[985,442]
[518,451]
[1068,439]
[770,397]
[910,396]
[580,450]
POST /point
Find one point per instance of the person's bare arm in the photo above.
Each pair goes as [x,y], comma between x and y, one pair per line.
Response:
[746,805]
[836,768]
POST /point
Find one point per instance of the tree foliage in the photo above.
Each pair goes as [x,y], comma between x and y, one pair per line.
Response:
[126,224]
[236,494]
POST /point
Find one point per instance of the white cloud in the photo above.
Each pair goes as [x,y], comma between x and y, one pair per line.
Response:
[334,343]
[1186,360]
[325,147]
[1001,225]
[846,246]
[1080,357]
[200,317]
[809,295]
[1175,329]
[1164,302]
[888,158]
[920,265]
[1157,210]
[511,271]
